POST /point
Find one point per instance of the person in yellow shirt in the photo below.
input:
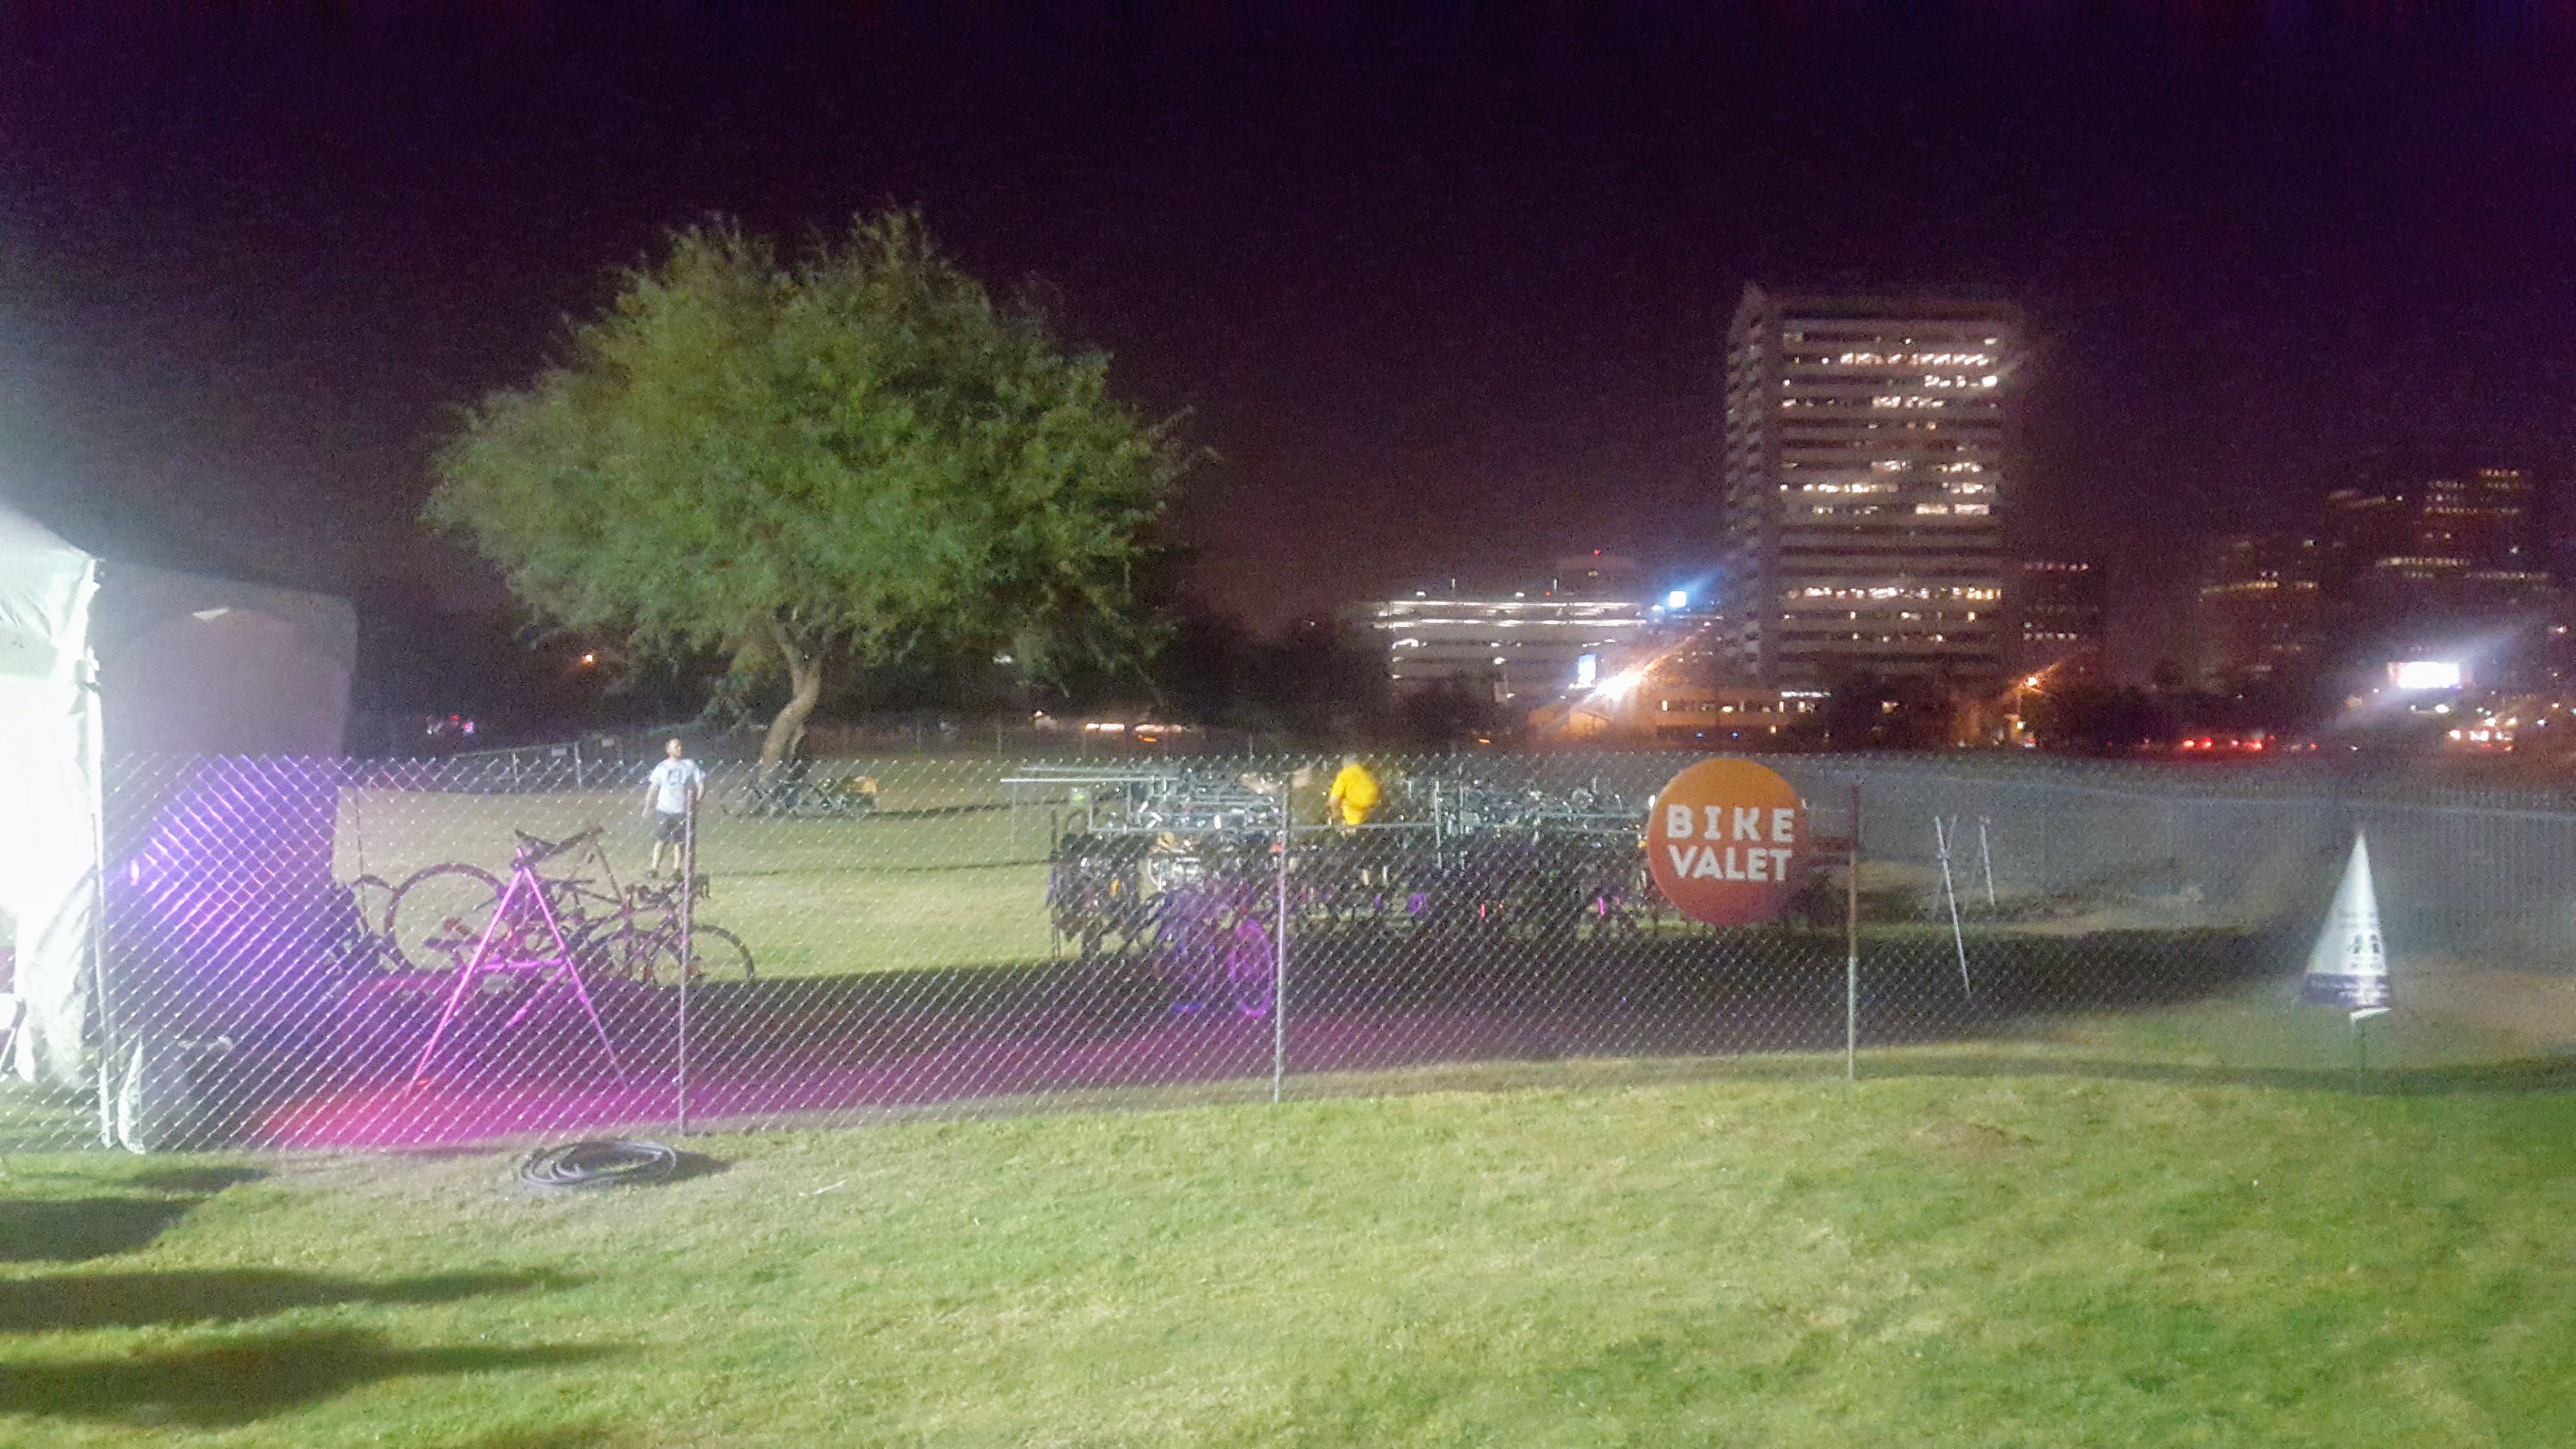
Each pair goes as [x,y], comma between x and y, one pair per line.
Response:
[1354,794]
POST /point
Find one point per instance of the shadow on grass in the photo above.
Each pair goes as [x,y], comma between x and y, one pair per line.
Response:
[134,1300]
[2524,1076]
[696,1164]
[938,812]
[234,1380]
[202,1180]
[1369,996]
[72,1230]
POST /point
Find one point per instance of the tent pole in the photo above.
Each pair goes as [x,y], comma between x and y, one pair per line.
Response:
[98,976]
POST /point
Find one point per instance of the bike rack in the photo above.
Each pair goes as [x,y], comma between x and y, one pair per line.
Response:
[550,969]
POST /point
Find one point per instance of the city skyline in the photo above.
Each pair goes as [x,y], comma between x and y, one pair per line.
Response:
[1436,290]
[2429,561]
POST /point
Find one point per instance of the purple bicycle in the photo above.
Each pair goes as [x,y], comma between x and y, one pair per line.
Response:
[1217,949]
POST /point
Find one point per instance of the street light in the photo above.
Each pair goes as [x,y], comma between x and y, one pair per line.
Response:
[2027,683]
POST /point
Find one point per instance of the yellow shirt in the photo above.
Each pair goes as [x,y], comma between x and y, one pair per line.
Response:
[1354,796]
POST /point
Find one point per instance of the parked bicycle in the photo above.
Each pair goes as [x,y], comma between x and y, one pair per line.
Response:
[1213,919]
[439,916]
[1097,891]
[641,940]
[794,791]
[435,917]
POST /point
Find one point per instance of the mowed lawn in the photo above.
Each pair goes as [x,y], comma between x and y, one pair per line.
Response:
[2013,1245]
[943,876]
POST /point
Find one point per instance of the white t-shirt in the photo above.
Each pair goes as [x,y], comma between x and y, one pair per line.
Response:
[672,780]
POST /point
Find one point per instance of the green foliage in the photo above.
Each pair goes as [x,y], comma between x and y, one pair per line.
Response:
[857,453]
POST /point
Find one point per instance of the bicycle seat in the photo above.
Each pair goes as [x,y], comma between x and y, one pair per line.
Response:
[534,850]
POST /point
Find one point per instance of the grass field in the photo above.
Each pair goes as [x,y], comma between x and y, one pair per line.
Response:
[2176,1229]
[944,876]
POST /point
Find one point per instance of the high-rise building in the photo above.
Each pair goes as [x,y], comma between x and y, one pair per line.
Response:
[1517,645]
[2260,610]
[1864,470]
[2427,548]
[2056,609]
[2441,562]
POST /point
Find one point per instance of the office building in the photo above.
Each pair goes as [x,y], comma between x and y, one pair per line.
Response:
[1864,467]
[2427,547]
[2259,611]
[2441,562]
[2056,612]
[1518,646]
[1655,706]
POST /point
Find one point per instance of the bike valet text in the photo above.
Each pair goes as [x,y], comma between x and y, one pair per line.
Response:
[1765,852]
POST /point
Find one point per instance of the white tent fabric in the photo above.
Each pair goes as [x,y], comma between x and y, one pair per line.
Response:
[49,735]
[152,663]
[193,665]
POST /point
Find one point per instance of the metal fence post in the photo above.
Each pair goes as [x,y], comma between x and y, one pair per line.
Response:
[1949,892]
[1851,946]
[102,982]
[1279,953]
[688,956]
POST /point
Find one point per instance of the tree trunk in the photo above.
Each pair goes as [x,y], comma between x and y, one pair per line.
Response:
[805,689]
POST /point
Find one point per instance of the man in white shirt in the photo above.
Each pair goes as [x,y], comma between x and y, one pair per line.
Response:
[670,792]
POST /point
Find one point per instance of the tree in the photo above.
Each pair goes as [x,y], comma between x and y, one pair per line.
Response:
[1319,681]
[855,457]
[1205,664]
[2100,718]
[1450,712]
[1873,712]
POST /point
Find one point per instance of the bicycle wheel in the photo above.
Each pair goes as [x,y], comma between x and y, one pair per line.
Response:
[609,949]
[719,954]
[438,915]
[374,898]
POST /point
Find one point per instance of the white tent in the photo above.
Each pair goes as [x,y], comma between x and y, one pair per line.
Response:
[102,660]
[50,734]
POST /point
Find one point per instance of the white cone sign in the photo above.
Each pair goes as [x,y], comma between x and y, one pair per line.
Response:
[2349,967]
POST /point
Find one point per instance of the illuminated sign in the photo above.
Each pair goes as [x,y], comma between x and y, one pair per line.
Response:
[1677,599]
[2424,674]
[1724,840]
[1587,669]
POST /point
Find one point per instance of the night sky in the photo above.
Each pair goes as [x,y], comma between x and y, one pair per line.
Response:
[1447,295]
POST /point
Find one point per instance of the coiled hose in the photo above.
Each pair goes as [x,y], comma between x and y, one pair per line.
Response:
[611,1163]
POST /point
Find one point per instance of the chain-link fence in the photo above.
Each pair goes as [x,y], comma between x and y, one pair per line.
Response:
[606,754]
[340,953]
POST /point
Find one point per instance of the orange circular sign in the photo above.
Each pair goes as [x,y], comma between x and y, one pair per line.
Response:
[1724,841]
